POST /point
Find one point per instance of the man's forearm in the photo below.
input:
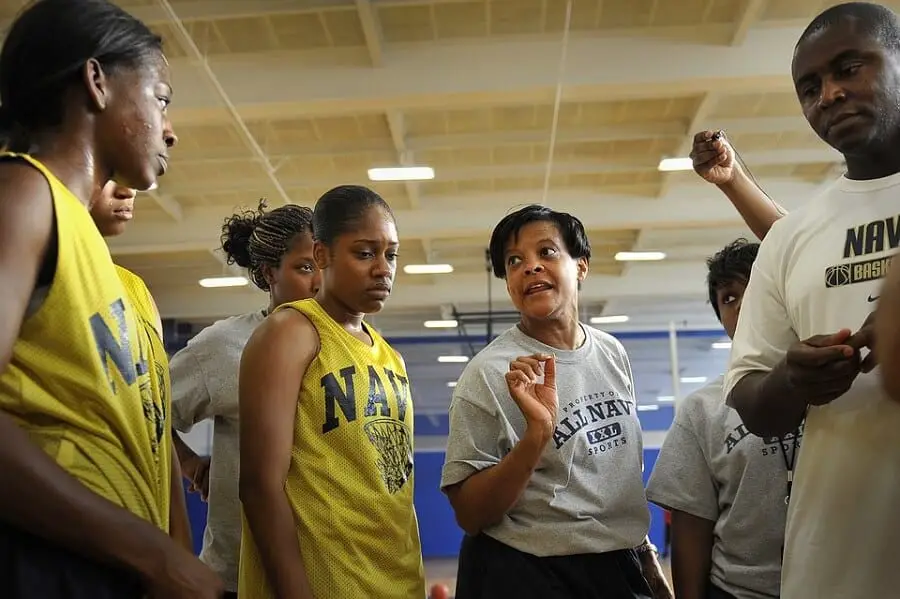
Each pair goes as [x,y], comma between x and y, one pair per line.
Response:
[183,451]
[47,501]
[274,533]
[752,203]
[692,542]
[767,404]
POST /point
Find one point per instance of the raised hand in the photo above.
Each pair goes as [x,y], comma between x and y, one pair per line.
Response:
[713,157]
[536,399]
[822,368]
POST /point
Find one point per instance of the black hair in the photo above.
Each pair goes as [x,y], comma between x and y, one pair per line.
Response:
[873,19]
[45,51]
[253,239]
[731,264]
[340,209]
[570,229]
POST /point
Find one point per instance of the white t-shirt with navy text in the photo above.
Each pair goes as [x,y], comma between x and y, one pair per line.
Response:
[819,270]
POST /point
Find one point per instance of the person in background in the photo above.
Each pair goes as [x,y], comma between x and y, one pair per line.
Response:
[84,91]
[276,247]
[544,457]
[816,280]
[112,208]
[724,486]
[326,435]
[714,160]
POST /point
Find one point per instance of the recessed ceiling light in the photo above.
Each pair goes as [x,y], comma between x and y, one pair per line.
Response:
[441,324]
[722,345]
[453,359]
[428,269]
[665,398]
[640,256]
[647,408]
[608,319]
[451,384]
[688,380]
[402,173]
[214,282]
[676,164]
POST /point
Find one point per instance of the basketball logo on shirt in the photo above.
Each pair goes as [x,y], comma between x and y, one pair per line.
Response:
[389,436]
[873,237]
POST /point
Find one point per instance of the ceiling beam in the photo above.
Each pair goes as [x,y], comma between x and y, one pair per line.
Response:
[439,76]
[368,19]
[707,105]
[473,216]
[598,166]
[750,13]
[169,205]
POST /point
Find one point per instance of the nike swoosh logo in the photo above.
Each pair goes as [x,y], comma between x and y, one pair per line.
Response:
[872,299]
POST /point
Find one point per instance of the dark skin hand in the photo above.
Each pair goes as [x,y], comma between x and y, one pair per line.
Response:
[864,338]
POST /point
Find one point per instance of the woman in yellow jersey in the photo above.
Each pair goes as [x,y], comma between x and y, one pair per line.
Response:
[84,89]
[112,209]
[326,476]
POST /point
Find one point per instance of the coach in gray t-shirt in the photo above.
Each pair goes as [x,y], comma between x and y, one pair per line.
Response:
[544,455]
[727,489]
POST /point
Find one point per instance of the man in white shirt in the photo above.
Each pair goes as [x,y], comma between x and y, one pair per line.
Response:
[814,283]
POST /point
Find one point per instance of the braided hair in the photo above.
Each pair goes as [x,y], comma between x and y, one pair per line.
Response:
[254,239]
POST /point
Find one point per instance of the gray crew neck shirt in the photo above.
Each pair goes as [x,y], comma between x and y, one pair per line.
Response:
[205,385]
[586,494]
[712,467]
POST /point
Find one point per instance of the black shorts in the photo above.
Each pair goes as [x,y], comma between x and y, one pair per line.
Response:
[489,569]
[32,568]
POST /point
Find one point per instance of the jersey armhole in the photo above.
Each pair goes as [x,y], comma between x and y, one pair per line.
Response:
[47,271]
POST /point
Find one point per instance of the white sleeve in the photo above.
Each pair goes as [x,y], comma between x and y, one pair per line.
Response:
[765,330]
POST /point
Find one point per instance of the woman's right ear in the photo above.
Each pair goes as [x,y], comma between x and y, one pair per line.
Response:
[321,255]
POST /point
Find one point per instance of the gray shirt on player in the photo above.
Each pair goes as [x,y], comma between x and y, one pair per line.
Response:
[712,467]
[205,385]
[586,494]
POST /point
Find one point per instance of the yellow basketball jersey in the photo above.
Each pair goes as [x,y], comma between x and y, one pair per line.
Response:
[79,365]
[156,396]
[350,482]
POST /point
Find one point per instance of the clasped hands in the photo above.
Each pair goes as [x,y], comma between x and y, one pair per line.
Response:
[823,367]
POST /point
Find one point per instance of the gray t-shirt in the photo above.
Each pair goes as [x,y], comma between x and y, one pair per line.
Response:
[205,385]
[712,467]
[586,494]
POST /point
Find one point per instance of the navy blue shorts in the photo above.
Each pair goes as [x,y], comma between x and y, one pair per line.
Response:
[489,569]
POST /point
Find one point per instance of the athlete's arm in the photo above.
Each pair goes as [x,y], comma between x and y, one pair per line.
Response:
[39,496]
[272,368]
[752,203]
[887,333]
[692,542]
[179,523]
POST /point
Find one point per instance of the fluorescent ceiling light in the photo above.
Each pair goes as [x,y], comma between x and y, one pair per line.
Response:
[722,345]
[640,256]
[453,359]
[440,324]
[608,319]
[402,173]
[693,379]
[213,282]
[665,398]
[676,164]
[428,269]
[451,384]
[647,408]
